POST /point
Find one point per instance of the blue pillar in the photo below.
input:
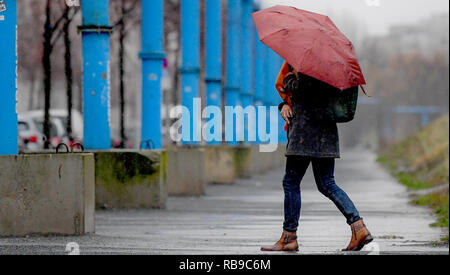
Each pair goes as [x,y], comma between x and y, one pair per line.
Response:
[282,137]
[190,51]
[275,66]
[247,57]
[268,84]
[96,74]
[268,97]
[259,71]
[213,54]
[233,71]
[152,56]
[258,77]
[8,69]
[272,97]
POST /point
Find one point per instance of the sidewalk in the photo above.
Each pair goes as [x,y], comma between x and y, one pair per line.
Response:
[239,219]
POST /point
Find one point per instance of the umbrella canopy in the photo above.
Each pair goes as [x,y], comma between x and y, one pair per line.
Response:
[311,43]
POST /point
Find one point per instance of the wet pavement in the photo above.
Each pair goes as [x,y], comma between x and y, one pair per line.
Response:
[238,219]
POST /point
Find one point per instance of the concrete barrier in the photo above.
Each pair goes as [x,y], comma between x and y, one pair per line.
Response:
[224,164]
[280,157]
[130,179]
[243,161]
[262,162]
[47,194]
[186,174]
[220,164]
[188,169]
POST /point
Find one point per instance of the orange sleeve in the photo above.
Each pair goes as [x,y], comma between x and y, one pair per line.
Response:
[280,83]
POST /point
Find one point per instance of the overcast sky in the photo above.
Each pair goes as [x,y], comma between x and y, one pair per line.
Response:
[376,15]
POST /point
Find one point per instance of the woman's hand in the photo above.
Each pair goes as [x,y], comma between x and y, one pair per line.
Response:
[286,113]
[294,71]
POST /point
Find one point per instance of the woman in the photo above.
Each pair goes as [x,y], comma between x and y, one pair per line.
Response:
[312,139]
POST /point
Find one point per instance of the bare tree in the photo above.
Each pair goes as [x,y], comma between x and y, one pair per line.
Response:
[68,15]
[126,18]
[52,33]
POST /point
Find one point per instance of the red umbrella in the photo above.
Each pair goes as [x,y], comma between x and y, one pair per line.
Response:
[311,43]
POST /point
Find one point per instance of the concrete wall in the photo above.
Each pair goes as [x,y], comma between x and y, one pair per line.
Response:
[279,159]
[243,161]
[130,179]
[220,164]
[224,164]
[47,194]
[262,162]
[57,193]
[186,174]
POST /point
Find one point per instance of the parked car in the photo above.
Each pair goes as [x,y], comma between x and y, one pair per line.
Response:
[60,118]
[57,131]
[30,138]
[58,123]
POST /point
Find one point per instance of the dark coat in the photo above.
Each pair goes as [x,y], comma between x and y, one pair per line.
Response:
[310,133]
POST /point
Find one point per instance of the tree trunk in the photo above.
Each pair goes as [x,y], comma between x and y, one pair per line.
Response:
[47,74]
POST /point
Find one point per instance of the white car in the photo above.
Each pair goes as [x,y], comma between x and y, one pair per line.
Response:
[59,117]
[58,134]
[30,138]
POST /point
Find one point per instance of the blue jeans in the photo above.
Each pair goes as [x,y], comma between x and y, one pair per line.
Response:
[323,169]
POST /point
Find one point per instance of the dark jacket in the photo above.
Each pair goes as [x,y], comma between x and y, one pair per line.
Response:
[311,133]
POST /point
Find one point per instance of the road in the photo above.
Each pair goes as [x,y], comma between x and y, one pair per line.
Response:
[238,219]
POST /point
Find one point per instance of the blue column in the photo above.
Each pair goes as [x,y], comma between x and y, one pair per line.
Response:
[213,54]
[8,76]
[190,68]
[96,74]
[259,72]
[273,98]
[275,67]
[247,57]
[282,137]
[152,56]
[268,85]
[233,71]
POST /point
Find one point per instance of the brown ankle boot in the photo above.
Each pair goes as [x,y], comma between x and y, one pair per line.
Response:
[288,242]
[360,237]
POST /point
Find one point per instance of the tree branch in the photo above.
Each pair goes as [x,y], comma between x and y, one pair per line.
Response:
[125,13]
[57,31]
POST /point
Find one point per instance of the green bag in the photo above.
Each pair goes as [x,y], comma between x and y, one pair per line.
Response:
[342,105]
